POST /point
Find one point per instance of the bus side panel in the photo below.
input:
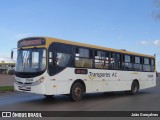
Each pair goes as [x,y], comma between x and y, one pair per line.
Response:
[147,80]
[100,80]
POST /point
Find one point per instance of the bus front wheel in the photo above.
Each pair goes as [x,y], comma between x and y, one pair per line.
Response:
[76,92]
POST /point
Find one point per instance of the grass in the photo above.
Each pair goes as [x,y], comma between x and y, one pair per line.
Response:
[6,89]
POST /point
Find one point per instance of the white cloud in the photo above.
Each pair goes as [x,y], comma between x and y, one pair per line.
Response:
[144,42]
[151,42]
[156,42]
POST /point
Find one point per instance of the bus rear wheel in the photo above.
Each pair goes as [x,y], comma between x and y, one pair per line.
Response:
[134,88]
[76,92]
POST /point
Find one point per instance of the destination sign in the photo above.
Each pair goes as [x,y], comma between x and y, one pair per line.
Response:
[31,42]
[81,71]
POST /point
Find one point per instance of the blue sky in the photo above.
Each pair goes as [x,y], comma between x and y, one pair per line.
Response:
[121,24]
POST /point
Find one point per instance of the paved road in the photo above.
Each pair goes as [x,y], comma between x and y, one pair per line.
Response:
[146,100]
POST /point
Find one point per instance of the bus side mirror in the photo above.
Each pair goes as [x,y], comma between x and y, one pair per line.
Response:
[12,54]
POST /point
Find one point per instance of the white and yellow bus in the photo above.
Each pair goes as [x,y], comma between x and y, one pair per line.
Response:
[51,66]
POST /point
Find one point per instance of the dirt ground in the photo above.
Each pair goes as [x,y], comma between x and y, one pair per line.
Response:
[6,80]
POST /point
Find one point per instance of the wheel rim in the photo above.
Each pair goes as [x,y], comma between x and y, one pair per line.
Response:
[135,88]
[77,92]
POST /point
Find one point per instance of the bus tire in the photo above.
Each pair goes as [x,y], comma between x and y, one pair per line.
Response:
[134,88]
[76,93]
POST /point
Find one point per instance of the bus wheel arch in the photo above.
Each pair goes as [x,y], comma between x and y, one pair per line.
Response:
[77,90]
[134,87]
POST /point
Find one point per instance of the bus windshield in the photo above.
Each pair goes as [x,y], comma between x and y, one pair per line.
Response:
[31,60]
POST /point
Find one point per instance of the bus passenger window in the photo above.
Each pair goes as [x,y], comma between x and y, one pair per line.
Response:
[128,62]
[115,61]
[59,59]
[63,59]
[146,66]
[82,58]
[100,59]
[137,66]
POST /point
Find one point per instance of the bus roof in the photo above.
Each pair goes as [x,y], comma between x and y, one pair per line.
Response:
[49,40]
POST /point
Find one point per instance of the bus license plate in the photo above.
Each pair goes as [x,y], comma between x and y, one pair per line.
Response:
[25,88]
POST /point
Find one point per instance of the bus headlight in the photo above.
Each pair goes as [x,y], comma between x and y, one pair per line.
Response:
[39,81]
